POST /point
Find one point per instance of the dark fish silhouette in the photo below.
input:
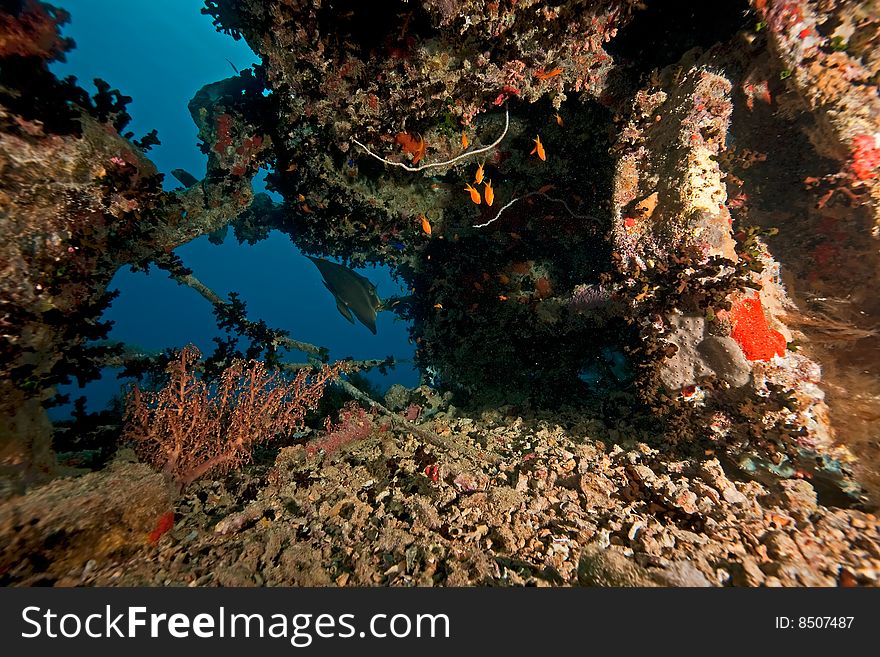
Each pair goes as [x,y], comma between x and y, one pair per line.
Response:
[185,177]
[353,293]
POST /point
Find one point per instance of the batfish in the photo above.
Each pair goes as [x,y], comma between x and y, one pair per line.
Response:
[185,177]
[353,293]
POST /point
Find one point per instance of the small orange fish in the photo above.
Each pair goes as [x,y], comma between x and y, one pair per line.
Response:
[426,225]
[420,153]
[409,144]
[541,74]
[489,193]
[475,195]
[478,176]
[558,120]
[501,297]
[464,140]
[539,148]
[438,306]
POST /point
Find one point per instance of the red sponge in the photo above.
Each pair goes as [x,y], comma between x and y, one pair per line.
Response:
[750,330]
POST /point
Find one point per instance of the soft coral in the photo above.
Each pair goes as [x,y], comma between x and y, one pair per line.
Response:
[33,32]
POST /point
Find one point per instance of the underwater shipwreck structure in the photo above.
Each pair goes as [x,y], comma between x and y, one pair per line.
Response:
[640,240]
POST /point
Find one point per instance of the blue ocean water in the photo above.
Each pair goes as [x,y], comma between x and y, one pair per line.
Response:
[160,52]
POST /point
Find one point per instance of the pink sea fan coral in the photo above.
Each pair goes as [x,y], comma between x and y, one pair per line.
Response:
[190,428]
[354,424]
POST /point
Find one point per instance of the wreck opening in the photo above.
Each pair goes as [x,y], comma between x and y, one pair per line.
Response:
[516,310]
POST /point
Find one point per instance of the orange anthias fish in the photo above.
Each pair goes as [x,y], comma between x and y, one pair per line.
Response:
[558,120]
[541,74]
[539,148]
[475,195]
[489,193]
[478,176]
[426,225]
[464,140]
[412,145]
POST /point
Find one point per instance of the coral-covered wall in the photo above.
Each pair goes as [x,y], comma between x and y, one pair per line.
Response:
[78,200]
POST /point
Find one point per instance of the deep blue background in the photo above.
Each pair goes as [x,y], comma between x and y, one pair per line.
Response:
[160,52]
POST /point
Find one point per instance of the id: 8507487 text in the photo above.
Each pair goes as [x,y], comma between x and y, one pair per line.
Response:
[814,622]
